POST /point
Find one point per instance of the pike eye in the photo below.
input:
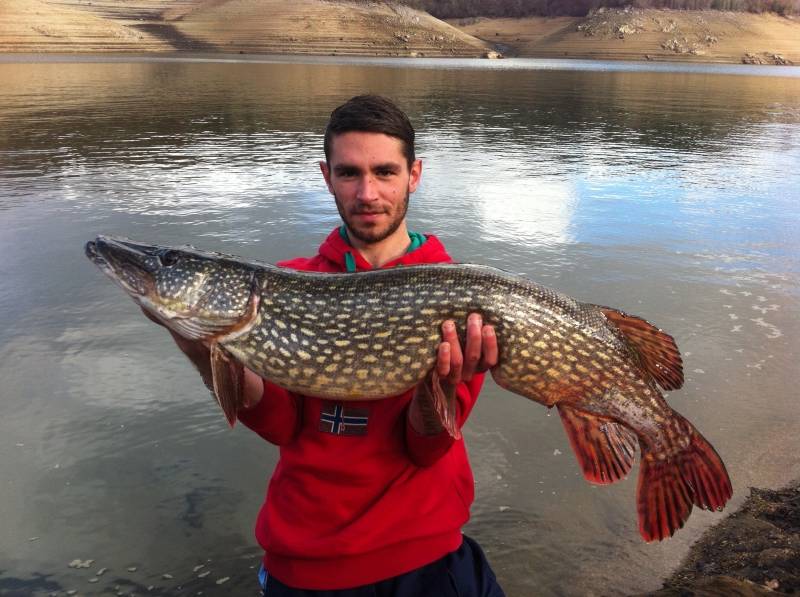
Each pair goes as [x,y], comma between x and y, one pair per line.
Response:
[168,258]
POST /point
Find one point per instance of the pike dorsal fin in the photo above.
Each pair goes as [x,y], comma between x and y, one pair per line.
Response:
[604,449]
[656,349]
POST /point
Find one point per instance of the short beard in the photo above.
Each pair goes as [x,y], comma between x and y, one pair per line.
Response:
[377,236]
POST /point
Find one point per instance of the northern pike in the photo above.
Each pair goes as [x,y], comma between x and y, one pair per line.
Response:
[375,334]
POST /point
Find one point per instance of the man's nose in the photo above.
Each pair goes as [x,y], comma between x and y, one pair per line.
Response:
[367,189]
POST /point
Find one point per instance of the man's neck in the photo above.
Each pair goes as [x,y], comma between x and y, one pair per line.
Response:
[380,253]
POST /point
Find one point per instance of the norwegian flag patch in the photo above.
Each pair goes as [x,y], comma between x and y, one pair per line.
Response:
[343,420]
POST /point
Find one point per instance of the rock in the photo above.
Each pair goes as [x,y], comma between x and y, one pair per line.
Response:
[775,556]
[751,59]
[492,55]
[778,59]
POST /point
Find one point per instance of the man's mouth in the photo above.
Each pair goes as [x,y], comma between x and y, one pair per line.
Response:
[369,215]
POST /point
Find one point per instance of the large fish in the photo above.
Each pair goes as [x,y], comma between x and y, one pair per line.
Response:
[375,334]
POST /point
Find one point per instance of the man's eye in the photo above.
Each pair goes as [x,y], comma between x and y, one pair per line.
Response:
[385,173]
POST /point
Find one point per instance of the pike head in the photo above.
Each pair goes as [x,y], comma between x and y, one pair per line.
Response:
[198,294]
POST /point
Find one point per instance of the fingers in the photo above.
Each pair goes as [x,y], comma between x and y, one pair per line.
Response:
[472,349]
[489,353]
[479,354]
[450,359]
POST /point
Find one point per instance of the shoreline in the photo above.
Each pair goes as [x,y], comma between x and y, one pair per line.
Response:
[382,30]
[753,551]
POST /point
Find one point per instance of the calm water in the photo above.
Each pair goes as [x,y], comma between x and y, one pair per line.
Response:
[668,192]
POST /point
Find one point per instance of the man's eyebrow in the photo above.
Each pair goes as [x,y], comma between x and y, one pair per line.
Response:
[387,166]
[345,168]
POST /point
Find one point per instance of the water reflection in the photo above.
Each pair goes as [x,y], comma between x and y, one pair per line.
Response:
[671,195]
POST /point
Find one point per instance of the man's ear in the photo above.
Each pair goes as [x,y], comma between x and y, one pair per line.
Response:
[414,175]
[326,174]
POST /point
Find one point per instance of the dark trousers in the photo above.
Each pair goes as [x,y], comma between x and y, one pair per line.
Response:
[462,573]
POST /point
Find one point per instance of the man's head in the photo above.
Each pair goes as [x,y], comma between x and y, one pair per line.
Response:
[371,114]
[370,169]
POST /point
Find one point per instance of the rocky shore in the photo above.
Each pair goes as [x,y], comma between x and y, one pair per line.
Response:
[754,551]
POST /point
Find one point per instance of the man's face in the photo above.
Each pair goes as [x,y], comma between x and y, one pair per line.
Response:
[370,179]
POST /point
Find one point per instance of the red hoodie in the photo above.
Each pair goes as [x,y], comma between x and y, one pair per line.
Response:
[357,495]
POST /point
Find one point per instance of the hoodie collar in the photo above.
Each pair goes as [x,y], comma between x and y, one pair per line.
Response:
[423,249]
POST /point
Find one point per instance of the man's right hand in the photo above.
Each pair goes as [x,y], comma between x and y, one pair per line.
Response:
[199,353]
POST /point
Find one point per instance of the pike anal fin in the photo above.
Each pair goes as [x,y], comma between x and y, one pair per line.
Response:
[605,450]
[228,376]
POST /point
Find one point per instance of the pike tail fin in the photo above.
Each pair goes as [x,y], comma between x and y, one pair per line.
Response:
[228,375]
[705,473]
[669,487]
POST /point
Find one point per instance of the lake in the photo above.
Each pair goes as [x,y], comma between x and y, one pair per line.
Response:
[668,191]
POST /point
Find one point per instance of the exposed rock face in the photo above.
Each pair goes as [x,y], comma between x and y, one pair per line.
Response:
[766,58]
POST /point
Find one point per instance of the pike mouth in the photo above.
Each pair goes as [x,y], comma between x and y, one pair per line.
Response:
[123,263]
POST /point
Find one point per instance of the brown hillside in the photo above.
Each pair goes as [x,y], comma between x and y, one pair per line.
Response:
[247,26]
[317,27]
[636,34]
[37,25]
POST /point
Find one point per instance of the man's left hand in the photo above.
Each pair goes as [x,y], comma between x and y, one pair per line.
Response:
[479,354]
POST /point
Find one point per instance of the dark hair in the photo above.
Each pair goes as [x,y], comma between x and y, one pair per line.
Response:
[374,114]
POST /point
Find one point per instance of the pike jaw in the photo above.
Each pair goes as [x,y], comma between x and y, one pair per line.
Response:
[200,295]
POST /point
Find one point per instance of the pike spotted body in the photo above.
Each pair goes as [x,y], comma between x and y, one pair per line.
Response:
[375,334]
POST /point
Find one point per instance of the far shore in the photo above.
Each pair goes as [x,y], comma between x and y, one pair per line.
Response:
[341,28]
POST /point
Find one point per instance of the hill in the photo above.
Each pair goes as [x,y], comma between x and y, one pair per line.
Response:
[247,26]
[382,28]
[647,34]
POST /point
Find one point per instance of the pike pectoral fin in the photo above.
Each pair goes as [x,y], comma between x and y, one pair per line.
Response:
[657,350]
[444,403]
[604,449]
[228,375]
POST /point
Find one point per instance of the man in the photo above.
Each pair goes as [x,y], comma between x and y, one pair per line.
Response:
[369,497]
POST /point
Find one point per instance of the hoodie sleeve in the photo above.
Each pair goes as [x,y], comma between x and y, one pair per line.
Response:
[277,415]
[425,450]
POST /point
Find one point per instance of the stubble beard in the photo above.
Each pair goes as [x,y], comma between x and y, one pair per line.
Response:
[370,235]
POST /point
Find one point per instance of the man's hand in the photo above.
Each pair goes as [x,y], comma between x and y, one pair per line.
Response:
[433,397]
[199,353]
[479,355]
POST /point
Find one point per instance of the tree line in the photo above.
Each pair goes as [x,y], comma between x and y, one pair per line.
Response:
[453,9]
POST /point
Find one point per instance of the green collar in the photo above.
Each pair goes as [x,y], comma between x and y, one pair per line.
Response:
[417,240]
